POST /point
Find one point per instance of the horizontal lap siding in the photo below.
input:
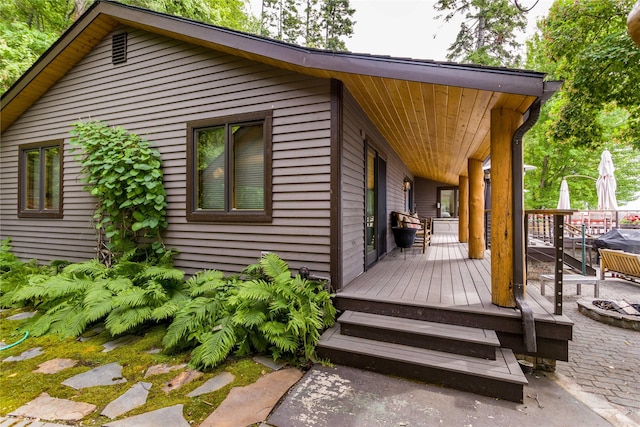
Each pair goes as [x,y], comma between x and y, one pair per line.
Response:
[353,193]
[356,125]
[165,84]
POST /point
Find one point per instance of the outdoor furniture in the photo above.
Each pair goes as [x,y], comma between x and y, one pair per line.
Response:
[578,279]
[624,263]
[421,230]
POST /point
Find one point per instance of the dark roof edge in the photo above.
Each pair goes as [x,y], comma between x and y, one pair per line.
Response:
[496,79]
[499,79]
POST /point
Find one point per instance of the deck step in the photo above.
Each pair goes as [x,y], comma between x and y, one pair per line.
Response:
[501,378]
[463,340]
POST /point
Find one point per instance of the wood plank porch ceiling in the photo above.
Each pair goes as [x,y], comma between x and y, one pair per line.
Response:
[434,115]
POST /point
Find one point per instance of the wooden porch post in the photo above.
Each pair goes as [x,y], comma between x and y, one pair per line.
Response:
[504,123]
[463,209]
[476,209]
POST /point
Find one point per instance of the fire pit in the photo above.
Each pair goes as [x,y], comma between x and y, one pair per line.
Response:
[622,314]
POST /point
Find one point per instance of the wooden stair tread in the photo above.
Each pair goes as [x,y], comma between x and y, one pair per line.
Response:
[505,368]
[422,327]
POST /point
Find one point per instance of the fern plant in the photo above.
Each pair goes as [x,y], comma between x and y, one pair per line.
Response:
[15,274]
[125,296]
[271,312]
[285,313]
[203,322]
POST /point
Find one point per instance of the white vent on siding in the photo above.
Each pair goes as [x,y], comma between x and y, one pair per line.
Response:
[119,48]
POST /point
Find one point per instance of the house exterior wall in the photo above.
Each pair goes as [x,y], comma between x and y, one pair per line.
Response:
[164,84]
[426,197]
[358,131]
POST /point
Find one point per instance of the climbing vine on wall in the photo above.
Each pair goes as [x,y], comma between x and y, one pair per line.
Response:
[124,174]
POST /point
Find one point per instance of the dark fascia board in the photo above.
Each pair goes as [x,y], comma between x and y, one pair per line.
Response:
[494,79]
[504,80]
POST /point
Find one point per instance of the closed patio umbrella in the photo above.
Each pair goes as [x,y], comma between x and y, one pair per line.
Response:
[606,183]
[564,202]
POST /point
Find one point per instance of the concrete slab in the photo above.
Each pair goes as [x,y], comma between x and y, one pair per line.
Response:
[21,316]
[337,396]
[162,369]
[45,407]
[213,384]
[252,404]
[109,374]
[125,340]
[25,355]
[170,416]
[131,399]
[181,379]
[54,366]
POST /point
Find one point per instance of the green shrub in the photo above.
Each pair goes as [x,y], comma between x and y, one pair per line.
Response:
[125,175]
[272,312]
[124,296]
[15,274]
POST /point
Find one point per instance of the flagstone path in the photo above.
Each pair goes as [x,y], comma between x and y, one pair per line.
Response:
[243,405]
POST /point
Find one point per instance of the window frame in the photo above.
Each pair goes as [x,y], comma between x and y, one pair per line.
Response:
[22,188]
[456,196]
[229,215]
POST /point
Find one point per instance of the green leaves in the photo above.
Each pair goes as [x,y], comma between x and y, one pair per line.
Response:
[208,313]
[124,173]
[600,65]
[271,312]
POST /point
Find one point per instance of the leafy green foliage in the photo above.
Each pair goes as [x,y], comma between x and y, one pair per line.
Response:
[600,65]
[213,315]
[270,312]
[15,273]
[125,175]
[488,33]
[29,27]
[585,44]
[563,158]
[125,296]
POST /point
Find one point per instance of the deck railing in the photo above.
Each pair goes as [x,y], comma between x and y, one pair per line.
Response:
[569,229]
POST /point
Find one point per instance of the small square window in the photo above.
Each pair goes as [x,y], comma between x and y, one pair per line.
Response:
[40,178]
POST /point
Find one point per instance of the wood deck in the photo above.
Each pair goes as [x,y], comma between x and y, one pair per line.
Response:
[444,277]
[444,285]
[430,317]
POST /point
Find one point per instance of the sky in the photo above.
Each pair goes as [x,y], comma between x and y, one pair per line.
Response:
[409,28]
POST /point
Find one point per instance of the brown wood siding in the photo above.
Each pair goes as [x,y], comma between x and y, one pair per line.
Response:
[357,129]
[163,85]
[426,196]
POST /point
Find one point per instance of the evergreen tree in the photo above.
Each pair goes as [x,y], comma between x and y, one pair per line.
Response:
[314,23]
[337,23]
[488,32]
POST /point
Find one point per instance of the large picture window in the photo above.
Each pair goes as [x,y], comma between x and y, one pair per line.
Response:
[229,168]
[40,178]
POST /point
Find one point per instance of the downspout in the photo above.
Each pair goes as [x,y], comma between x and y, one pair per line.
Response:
[528,321]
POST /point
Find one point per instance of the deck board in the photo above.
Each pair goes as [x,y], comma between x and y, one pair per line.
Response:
[444,276]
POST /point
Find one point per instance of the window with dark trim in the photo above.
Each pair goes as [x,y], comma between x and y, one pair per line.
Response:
[40,180]
[447,202]
[229,168]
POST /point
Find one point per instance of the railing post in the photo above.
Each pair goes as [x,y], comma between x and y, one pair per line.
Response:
[558,238]
[584,253]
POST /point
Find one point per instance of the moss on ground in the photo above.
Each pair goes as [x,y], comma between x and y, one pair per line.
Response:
[19,384]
